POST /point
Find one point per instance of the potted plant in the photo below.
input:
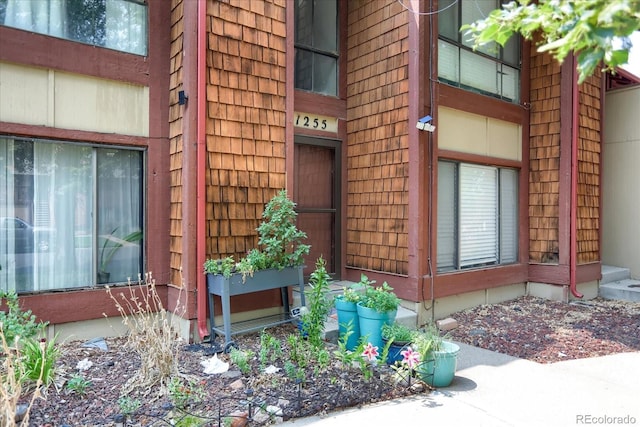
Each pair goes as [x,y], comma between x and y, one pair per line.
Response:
[400,336]
[379,305]
[276,263]
[111,245]
[438,357]
[347,312]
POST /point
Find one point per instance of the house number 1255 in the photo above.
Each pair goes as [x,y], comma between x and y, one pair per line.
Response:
[314,121]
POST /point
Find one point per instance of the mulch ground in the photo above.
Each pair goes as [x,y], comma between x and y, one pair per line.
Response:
[535,329]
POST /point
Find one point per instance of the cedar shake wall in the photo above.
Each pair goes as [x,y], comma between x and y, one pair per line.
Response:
[544,159]
[175,139]
[589,145]
[377,137]
[245,123]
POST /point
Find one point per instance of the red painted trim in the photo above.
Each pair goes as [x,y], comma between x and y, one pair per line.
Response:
[290,97]
[564,176]
[418,140]
[38,50]
[45,132]
[478,159]
[575,107]
[549,273]
[201,219]
[477,280]
[483,105]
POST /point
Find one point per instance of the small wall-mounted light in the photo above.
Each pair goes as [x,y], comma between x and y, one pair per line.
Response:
[182,98]
[423,124]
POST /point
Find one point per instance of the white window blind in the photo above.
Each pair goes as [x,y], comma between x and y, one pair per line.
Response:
[446,256]
[478,231]
[508,216]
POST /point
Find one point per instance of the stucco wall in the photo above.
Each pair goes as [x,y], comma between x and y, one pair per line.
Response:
[620,189]
[475,134]
[72,101]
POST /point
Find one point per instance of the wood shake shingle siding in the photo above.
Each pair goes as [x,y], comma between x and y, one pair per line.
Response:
[245,123]
[176,139]
[377,136]
[544,159]
[589,150]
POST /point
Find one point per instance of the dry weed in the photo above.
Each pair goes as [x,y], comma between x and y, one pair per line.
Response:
[153,335]
[12,376]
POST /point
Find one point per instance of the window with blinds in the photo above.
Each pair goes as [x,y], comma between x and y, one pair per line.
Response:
[477,216]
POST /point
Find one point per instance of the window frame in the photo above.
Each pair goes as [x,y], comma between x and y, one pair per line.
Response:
[305,48]
[94,282]
[498,60]
[69,37]
[454,244]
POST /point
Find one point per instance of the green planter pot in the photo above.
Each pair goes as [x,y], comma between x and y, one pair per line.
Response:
[371,322]
[348,314]
[440,371]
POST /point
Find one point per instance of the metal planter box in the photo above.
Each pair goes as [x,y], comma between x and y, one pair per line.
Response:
[261,280]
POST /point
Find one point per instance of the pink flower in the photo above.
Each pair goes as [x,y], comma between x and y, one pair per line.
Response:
[370,352]
[411,358]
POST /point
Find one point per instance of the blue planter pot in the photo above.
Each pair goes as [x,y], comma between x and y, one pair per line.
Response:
[348,315]
[395,350]
[440,371]
[371,322]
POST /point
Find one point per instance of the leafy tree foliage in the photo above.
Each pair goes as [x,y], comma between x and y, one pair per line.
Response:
[596,30]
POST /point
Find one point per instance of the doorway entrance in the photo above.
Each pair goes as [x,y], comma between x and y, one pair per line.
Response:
[317,195]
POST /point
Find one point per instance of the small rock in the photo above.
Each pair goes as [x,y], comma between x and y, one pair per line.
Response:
[21,411]
[239,419]
[236,385]
[417,387]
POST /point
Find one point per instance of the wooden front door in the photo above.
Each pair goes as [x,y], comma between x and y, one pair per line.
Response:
[317,195]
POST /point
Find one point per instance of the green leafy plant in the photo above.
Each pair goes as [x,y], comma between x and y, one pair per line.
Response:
[270,348]
[128,405]
[397,332]
[15,321]
[380,298]
[279,240]
[39,358]
[183,392]
[241,359]
[78,384]
[318,304]
[225,266]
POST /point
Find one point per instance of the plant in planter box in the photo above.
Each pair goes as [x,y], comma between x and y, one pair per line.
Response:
[378,306]
[276,263]
[280,243]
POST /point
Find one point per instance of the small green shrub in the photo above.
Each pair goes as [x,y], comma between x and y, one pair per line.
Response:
[78,384]
[241,359]
[17,323]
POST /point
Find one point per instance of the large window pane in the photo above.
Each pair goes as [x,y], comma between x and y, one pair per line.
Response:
[116,24]
[56,201]
[316,46]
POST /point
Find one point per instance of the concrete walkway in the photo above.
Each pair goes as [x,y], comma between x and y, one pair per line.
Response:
[491,389]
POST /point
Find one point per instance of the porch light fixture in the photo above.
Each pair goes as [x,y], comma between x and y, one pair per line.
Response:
[423,124]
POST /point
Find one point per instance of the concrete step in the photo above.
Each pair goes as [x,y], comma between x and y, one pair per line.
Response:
[611,274]
[626,290]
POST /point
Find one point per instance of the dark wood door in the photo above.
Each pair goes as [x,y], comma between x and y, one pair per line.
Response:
[316,193]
